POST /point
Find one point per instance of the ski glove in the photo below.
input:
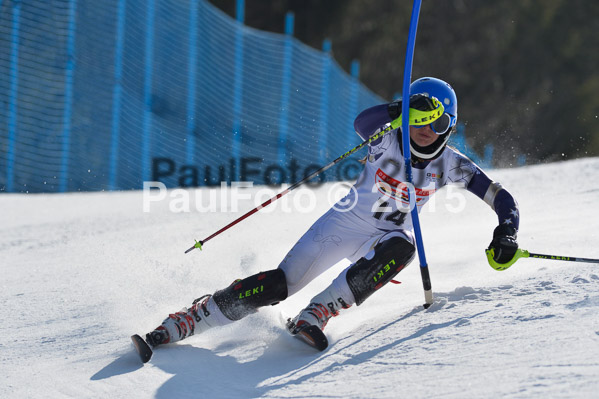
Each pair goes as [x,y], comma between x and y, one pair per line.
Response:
[417,101]
[504,243]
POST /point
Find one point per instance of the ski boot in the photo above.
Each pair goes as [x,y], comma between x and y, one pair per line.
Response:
[182,324]
[309,324]
[178,326]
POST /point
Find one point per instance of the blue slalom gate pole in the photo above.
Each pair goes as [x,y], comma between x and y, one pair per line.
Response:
[405,110]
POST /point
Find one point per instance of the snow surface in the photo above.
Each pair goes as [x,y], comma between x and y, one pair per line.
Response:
[82,272]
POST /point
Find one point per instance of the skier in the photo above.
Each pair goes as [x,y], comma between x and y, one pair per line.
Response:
[371,226]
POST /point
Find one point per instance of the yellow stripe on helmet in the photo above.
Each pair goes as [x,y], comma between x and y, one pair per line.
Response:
[422,118]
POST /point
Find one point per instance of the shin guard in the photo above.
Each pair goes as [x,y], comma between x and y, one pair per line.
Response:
[246,296]
[378,267]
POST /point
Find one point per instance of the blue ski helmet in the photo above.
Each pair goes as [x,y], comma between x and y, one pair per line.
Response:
[433,87]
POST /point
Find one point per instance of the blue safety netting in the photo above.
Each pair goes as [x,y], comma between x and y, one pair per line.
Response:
[106,95]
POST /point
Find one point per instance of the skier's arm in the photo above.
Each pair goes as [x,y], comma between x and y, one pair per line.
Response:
[505,206]
[370,120]
[497,197]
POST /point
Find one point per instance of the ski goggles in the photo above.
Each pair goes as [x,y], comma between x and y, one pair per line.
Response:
[442,124]
[420,118]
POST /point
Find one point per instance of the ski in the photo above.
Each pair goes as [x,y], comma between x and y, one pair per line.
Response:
[311,335]
[142,348]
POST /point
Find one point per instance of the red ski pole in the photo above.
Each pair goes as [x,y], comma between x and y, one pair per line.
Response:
[393,125]
[415,118]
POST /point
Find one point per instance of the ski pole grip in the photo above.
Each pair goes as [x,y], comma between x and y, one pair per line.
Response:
[520,253]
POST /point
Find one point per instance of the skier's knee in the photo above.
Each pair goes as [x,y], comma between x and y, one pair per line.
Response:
[246,296]
[379,266]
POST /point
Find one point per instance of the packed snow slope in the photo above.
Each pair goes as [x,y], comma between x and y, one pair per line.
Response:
[82,272]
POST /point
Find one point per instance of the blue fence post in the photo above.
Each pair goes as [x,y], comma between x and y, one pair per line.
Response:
[148,75]
[238,89]
[354,71]
[522,160]
[116,96]
[240,10]
[458,139]
[324,101]
[488,161]
[68,106]
[14,92]
[191,81]
[285,88]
